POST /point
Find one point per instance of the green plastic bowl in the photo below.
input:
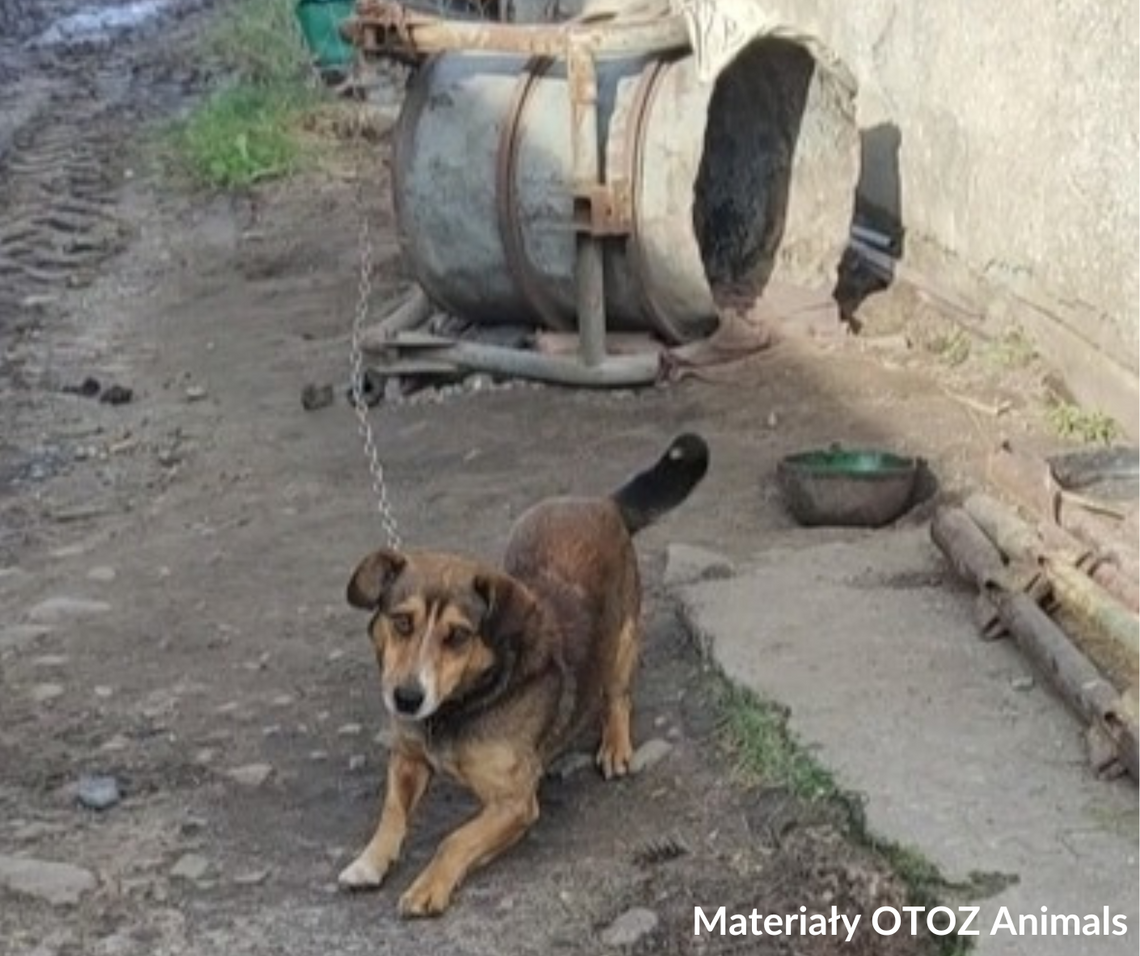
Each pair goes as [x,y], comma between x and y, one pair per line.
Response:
[847,487]
[320,22]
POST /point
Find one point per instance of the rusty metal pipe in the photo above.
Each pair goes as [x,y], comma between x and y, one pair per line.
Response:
[589,276]
[380,28]
[624,371]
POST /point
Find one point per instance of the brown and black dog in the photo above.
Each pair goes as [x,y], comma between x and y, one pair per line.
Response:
[490,674]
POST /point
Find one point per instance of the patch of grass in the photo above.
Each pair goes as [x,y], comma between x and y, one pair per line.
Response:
[1012,350]
[259,42]
[953,348]
[239,136]
[1086,425]
[757,733]
[250,127]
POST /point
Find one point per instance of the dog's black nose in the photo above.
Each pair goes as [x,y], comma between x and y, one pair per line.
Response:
[408,697]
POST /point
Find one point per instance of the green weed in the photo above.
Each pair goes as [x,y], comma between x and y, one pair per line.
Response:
[757,734]
[953,348]
[259,42]
[241,135]
[1012,350]
[1085,425]
[249,128]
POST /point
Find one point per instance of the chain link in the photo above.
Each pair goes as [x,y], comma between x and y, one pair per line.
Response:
[363,301]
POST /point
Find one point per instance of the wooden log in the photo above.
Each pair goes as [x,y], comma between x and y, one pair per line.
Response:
[975,559]
[971,553]
[1020,541]
[1079,683]
[1016,539]
[1028,480]
[1074,677]
[1087,599]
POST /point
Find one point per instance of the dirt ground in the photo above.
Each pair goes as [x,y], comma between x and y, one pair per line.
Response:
[172,568]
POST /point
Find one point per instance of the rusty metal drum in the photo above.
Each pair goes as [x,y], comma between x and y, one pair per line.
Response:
[484,206]
[700,175]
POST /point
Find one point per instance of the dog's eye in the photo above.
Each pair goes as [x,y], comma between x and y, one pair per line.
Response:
[401,624]
[458,636]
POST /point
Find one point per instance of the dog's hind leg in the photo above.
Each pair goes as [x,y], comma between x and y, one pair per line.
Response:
[408,777]
[616,749]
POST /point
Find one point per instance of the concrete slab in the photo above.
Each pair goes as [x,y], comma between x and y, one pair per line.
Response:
[871,644]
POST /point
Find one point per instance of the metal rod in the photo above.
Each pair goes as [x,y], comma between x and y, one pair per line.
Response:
[625,371]
[385,26]
[589,265]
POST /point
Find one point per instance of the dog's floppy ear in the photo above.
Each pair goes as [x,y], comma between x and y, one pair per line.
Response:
[510,606]
[373,576]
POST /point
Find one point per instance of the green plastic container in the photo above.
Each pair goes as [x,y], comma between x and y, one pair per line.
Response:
[320,22]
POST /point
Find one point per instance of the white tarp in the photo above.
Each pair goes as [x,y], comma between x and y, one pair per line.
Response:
[720,29]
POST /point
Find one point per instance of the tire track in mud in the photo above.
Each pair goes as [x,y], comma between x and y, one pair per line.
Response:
[58,195]
[70,117]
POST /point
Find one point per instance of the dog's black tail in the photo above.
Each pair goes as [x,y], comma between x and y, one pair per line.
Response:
[652,493]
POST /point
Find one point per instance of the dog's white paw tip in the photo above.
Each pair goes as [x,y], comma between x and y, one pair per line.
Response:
[358,875]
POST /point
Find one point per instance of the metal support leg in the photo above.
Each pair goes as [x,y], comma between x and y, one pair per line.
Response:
[589,264]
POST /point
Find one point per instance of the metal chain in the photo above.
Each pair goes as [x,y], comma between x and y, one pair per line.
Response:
[363,301]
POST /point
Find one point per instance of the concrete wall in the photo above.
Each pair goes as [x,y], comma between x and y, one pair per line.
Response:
[1016,127]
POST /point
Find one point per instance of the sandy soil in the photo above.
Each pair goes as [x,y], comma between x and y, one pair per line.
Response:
[172,568]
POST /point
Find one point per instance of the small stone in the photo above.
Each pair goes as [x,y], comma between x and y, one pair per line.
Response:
[192,826]
[117,395]
[42,693]
[773,420]
[356,762]
[570,764]
[674,733]
[349,730]
[317,756]
[314,397]
[481,382]
[98,792]
[195,393]
[102,573]
[630,927]
[88,388]
[272,730]
[190,866]
[60,884]
[57,609]
[250,775]
[687,564]
[252,877]
[102,691]
[116,744]
[36,830]
[282,700]
[204,756]
[20,635]
[649,753]
[1023,683]
[49,660]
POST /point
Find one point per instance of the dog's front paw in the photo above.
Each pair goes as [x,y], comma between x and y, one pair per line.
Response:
[615,754]
[363,873]
[427,896]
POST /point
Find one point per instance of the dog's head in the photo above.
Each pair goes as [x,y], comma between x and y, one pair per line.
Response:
[441,626]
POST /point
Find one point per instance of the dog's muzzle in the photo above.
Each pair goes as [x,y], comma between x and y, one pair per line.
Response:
[408,699]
